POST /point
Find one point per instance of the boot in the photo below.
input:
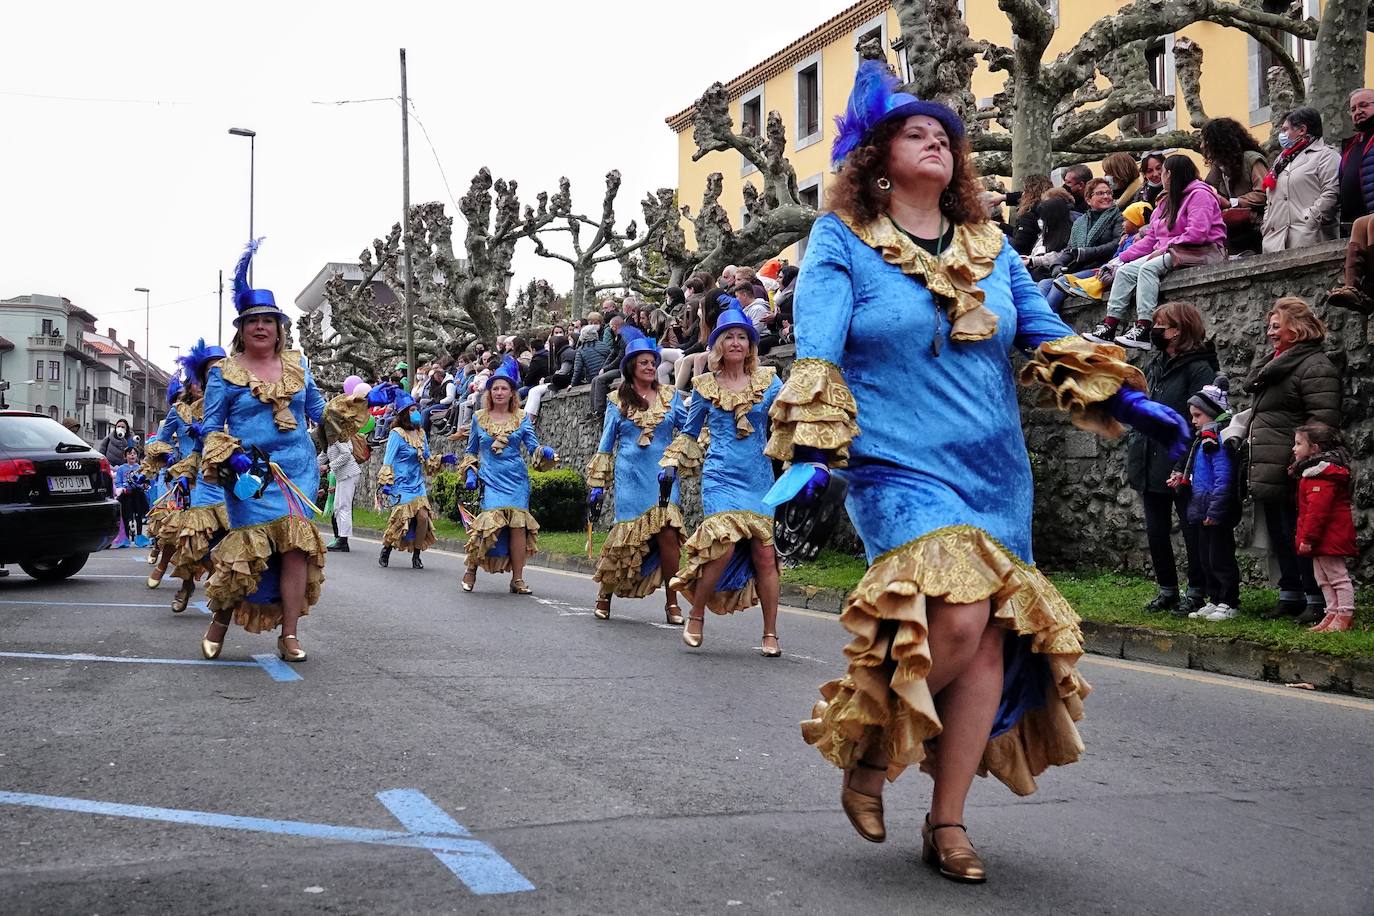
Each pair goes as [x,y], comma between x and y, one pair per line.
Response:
[415,560]
[385,558]
[340,545]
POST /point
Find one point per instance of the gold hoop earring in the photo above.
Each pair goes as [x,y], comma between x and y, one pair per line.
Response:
[883,184]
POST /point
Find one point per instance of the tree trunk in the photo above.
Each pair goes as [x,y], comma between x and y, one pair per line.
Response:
[1339,66]
[1032,132]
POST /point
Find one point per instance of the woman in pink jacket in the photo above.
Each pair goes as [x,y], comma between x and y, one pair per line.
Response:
[1185,234]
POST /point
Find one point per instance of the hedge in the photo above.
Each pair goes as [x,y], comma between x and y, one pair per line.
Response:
[557,498]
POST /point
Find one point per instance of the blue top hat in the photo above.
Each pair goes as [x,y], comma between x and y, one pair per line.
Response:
[403,401]
[198,358]
[249,301]
[173,389]
[874,100]
[732,316]
[635,344]
[508,371]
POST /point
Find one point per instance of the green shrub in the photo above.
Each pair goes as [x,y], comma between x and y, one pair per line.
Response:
[443,494]
[558,499]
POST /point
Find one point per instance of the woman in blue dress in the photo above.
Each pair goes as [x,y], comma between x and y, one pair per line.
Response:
[269,568]
[168,457]
[963,654]
[203,522]
[402,479]
[503,536]
[647,537]
[729,563]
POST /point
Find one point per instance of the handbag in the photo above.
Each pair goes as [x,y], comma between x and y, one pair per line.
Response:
[1196,255]
[1237,218]
[362,452]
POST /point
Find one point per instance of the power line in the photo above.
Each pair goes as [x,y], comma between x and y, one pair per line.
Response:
[416,115]
[161,305]
[81,98]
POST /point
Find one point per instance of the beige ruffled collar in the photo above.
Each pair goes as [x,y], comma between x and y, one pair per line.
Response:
[276,394]
[737,402]
[499,430]
[415,438]
[646,420]
[954,275]
[191,412]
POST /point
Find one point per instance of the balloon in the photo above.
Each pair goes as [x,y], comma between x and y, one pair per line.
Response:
[353,381]
[370,425]
[361,390]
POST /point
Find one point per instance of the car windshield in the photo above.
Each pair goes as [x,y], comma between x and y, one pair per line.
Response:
[33,433]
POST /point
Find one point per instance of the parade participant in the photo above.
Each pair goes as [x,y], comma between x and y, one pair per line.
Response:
[646,539]
[402,479]
[174,447]
[269,568]
[906,253]
[203,523]
[729,561]
[504,535]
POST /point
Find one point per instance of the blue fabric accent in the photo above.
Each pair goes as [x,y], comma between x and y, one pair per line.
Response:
[651,560]
[875,99]
[508,371]
[738,571]
[504,474]
[407,464]
[269,583]
[1025,679]
[736,473]
[636,467]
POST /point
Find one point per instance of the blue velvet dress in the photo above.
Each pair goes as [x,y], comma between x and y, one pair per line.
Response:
[494,452]
[904,373]
[735,476]
[404,466]
[205,521]
[243,411]
[169,449]
[633,443]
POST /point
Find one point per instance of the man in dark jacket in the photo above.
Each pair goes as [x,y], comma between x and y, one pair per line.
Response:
[1356,182]
[610,370]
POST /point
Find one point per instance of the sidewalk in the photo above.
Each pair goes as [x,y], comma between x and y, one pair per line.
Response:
[1219,655]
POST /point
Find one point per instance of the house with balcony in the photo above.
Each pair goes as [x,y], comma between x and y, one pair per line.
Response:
[43,357]
[116,385]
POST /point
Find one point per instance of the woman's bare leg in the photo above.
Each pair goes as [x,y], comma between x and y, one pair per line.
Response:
[670,558]
[706,586]
[766,581]
[292,590]
[517,553]
[422,524]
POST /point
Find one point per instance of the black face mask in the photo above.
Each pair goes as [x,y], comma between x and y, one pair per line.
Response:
[1158,340]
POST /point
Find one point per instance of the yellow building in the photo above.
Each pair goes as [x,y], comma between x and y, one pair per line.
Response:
[808,83]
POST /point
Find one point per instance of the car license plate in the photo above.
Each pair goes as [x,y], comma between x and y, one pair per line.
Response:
[69,485]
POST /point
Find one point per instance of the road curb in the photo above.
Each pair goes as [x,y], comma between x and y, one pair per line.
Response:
[1234,657]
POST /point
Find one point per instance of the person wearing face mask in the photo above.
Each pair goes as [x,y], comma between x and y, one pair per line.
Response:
[115,445]
[1356,181]
[402,481]
[1302,186]
[1152,171]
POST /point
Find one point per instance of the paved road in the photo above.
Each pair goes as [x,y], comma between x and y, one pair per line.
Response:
[609,766]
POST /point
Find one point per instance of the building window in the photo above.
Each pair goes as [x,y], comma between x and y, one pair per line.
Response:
[808,193]
[873,29]
[750,119]
[1294,46]
[1156,63]
[38,408]
[54,371]
[52,411]
[808,103]
[48,329]
[38,371]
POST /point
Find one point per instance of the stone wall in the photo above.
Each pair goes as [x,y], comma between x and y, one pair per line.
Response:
[1085,515]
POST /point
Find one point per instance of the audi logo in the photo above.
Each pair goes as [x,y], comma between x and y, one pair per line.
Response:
[73,465]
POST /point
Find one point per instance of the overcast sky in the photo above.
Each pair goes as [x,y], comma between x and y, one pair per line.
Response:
[117,170]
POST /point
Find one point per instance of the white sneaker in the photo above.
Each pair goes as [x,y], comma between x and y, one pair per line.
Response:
[1223,612]
[1203,612]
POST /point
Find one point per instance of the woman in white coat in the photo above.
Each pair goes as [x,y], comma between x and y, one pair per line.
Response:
[1302,187]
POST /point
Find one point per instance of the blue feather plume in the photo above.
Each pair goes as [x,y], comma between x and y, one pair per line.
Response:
[630,333]
[868,100]
[241,287]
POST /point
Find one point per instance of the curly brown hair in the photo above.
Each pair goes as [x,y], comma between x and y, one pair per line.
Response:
[1032,189]
[856,195]
[1225,141]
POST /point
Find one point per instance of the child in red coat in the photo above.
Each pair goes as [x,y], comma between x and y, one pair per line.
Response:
[1326,525]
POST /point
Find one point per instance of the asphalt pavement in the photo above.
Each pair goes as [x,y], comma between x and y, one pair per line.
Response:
[489,753]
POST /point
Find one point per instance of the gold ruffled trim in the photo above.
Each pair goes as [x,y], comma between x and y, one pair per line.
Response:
[343,417]
[1077,375]
[486,528]
[168,527]
[499,432]
[470,462]
[191,412]
[627,545]
[646,420]
[715,538]
[600,470]
[396,525]
[197,526]
[684,453]
[883,698]
[736,402]
[155,458]
[186,467]
[217,449]
[815,408]
[971,256]
[241,558]
[276,394]
[386,476]
[545,464]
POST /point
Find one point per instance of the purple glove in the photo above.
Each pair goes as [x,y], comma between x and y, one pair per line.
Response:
[471,482]
[388,489]
[820,472]
[449,460]
[240,463]
[594,495]
[547,453]
[1158,421]
[196,430]
[667,475]
[183,482]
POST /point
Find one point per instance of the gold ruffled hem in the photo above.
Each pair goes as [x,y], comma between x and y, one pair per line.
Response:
[684,453]
[241,558]
[167,528]
[343,416]
[738,403]
[192,412]
[155,457]
[1077,375]
[197,528]
[399,522]
[815,408]
[386,476]
[187,467]
[600,470]
[218,447]
[627,545]
[716,537]
[883,698]
[486,528]
[277,394]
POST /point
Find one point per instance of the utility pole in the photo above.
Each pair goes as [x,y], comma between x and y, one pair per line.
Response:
[147,355]
[405,224]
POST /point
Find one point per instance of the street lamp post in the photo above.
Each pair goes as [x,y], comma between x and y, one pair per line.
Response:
[252,156]
[147,352]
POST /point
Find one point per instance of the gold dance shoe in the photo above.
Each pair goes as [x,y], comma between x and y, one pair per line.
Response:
[469,578]
[208,647]
[183,596]
[518,587]
[155,577]
[603,608]
[771,653]
[673,614]
[695,641]
[864,811]
[286,652]
[960,864]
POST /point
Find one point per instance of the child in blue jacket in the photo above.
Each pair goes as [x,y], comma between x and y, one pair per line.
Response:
[1210,471]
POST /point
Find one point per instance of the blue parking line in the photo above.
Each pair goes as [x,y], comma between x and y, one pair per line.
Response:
[483,871]
[201,606]
[274,667]
[451,842]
